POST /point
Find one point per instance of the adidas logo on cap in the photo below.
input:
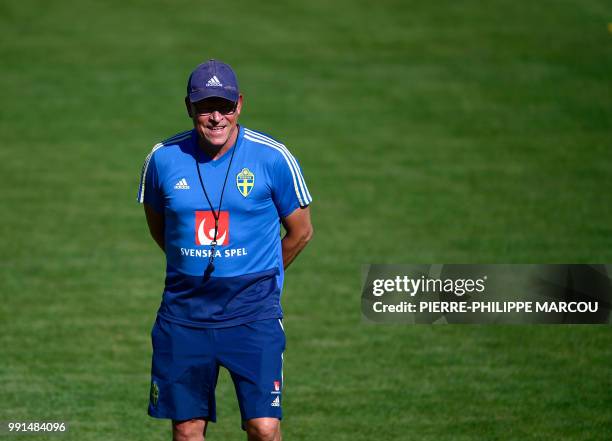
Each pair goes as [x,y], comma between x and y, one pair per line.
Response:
[214,82]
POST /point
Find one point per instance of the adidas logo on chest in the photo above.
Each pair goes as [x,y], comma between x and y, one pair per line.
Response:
[182,185]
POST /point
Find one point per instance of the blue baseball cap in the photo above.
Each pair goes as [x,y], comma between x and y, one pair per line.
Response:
[213,79]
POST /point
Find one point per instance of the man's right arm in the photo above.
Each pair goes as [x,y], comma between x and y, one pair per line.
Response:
[155,221]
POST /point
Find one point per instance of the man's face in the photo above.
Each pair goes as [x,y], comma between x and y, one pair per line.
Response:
[215,119]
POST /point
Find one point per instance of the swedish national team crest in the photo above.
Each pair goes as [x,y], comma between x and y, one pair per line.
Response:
[245,180]
[154,393]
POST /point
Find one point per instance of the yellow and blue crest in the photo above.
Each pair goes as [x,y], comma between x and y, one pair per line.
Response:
[245,180]
[154,393]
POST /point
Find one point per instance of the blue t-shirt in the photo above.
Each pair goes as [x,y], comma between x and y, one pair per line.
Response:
[264,184]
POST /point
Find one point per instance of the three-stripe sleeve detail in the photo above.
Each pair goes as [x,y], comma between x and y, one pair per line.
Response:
[301,190]
[143,174]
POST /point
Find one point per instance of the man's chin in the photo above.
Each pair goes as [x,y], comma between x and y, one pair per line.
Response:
[215,141]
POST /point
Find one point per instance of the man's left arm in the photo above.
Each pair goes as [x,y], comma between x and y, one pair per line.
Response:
[299,232]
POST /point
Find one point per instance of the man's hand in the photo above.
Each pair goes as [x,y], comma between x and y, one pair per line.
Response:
[156,225]
[299,232]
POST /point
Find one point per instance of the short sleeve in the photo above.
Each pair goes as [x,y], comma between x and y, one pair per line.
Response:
[149,191]
[289,187]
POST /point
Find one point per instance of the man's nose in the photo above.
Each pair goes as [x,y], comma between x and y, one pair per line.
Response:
[216,116]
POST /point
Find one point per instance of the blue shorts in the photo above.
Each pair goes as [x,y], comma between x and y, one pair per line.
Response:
[186,364]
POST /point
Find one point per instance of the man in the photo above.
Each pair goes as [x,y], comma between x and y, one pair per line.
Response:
[214,199]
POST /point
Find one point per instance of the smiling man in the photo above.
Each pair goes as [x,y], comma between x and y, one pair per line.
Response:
[214,199]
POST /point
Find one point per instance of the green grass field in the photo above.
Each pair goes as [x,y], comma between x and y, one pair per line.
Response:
[429,132]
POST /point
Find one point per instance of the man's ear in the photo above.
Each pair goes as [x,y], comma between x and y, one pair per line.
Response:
[239,105]
[188,105]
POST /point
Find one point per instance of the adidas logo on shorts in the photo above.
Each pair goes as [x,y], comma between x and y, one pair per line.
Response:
[276,402]
[182,185]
